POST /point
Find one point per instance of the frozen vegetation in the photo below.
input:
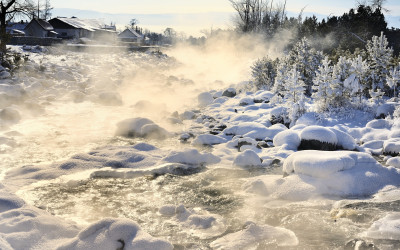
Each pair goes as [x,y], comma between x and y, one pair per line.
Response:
[149,151]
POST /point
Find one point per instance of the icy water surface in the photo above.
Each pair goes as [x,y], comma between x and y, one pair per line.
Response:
[216,191]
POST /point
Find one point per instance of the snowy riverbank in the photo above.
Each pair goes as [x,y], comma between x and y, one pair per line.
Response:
[132,151]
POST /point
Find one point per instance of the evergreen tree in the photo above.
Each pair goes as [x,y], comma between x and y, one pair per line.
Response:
[356,82]
[393,79]
[340,96]
[294,94]
[264,73]
[379,57]
[322,85]
[307,61]
[282,70]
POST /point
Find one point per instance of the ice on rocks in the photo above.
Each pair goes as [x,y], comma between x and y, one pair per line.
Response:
[249,237]
[192,157]
[140,127]
[115,234]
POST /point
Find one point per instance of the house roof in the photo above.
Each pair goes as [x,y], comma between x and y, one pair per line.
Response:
[45,25]
[87,24]
[129,33]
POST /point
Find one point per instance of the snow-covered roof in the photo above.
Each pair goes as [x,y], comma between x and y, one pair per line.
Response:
[44,24]
[129,33]
[87,24]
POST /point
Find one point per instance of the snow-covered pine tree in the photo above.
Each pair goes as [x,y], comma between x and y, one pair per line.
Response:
[282,70]
[263,73]
[294,94]
[322,85]
[379,57]
[307,60]
[357,80]
[393,78]
[340,96]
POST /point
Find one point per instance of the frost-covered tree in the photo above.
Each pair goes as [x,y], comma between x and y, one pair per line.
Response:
[379,57]
[340,96]
[263,73]
[281,77]
[356,82]
[322,85]
[393,78]
[294,94]
[294,86]
[307,61]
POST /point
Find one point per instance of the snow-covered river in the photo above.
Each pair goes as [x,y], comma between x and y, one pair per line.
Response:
[155,139]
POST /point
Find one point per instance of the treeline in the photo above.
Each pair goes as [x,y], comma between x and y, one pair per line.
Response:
[304,73]
[350,31]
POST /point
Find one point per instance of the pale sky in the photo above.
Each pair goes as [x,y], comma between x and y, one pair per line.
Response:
[206,8]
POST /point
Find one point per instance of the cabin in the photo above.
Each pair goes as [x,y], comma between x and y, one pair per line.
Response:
[130,35]
[39,28]
[75,28]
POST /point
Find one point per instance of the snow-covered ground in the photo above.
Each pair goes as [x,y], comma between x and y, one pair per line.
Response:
[146,151]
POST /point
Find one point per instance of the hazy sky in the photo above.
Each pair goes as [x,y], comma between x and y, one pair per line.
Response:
[186,23]
[184,6]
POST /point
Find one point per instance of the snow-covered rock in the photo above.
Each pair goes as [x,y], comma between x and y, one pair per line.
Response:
[343,173]
[248,158]
[208,139]
[263,96]
[192,157]
[392,146]
[188,115]
[230,92]
[317,137]
[115,234]
[288,137]
[140,127]
[246,101]
[385,109]
[249,129]
[205,99]
[387,228]
[394,162]
[378,124]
